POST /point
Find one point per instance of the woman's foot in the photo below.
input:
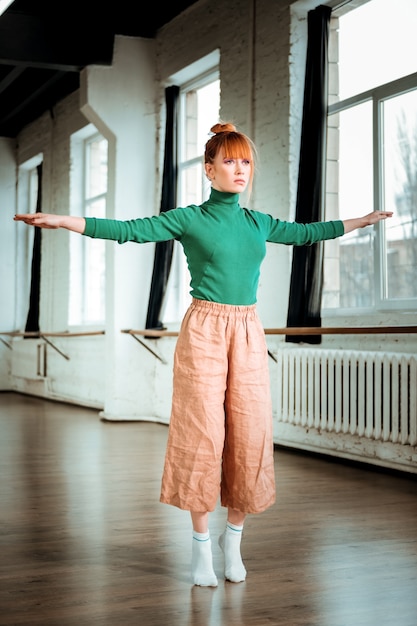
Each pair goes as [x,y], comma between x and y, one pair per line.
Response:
[229,541]
[202,572]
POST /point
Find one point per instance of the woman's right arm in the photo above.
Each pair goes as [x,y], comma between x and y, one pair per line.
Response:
[48,220]
[163,227]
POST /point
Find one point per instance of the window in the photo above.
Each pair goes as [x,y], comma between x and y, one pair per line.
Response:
[372,155]
[199,108]
[26,203]
[87,257]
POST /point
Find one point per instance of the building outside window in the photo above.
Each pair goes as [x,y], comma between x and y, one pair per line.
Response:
[372,155]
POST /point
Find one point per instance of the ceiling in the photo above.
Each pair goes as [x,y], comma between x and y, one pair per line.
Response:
[44,44]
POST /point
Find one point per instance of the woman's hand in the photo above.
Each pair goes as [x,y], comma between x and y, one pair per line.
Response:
[366,220]
[376,216]
[49,220]
[43,220]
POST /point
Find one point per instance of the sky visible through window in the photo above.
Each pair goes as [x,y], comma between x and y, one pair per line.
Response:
[377,44]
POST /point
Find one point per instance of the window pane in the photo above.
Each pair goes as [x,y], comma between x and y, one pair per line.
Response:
[349,276]
[96,170]
[400,194]
[94,272]
[33,190]
[376,45]
[191,184]
[202,110]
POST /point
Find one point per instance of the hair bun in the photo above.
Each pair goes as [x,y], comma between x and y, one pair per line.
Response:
[223,128]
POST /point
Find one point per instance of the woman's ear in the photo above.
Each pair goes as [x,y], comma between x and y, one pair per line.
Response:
[209,170]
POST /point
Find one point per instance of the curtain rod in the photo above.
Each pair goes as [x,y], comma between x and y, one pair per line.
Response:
[339,4]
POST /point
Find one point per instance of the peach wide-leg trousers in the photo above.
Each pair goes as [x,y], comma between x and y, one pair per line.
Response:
[220,432]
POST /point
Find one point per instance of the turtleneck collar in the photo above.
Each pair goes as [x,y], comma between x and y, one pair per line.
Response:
[224,197]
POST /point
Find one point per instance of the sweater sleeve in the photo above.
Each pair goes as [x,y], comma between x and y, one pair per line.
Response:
[296,234]
[168,225]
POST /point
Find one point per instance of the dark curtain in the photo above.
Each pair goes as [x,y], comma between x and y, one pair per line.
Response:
[164,249]
[306,285]
[32,321]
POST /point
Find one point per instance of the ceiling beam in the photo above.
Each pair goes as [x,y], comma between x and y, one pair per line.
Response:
[60,42]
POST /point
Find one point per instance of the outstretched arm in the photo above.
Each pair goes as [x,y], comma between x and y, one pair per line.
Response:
[48,220]
[366,220]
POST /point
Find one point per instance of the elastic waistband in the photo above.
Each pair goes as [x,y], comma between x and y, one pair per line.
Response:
[223,309]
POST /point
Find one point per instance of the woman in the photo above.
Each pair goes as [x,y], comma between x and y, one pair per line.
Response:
[220,433]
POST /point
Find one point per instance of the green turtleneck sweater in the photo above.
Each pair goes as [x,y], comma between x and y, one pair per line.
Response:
[224,243]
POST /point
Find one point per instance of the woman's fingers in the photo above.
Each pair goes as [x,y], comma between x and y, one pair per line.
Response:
[43,220]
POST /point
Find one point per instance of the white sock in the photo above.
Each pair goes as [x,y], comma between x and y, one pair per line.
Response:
[202,572]
[229,542]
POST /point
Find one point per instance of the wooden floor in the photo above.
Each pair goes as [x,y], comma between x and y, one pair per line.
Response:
[85,541]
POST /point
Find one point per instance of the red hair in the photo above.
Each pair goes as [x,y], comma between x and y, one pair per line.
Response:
[234,144]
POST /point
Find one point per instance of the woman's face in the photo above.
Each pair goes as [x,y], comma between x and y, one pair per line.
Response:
[227,174]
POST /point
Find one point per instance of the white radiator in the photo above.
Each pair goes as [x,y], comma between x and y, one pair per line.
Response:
[370,395]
